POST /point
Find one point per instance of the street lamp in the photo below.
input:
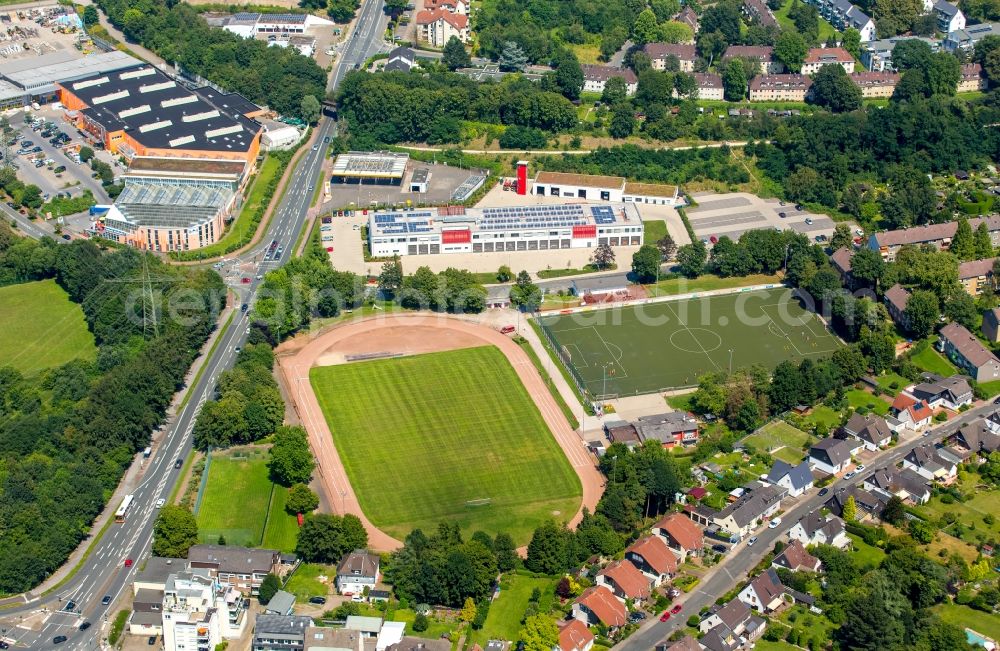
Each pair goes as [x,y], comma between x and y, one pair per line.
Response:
[730,361]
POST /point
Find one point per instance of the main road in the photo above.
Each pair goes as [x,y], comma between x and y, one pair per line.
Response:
[104,572]
[735,568]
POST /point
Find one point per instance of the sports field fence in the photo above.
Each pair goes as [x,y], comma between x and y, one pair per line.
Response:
[565,358]
[204,481]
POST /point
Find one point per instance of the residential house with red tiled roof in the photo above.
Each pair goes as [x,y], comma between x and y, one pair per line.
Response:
[575,636]
[598,605]
[651,556]
[818,57]
[910,412]
[625,580]
[436,27]
[681,534]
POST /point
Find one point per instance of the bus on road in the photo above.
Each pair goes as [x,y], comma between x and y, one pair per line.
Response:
[123,510]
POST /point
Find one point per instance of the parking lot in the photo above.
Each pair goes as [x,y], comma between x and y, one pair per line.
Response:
[75,178]
[733,214]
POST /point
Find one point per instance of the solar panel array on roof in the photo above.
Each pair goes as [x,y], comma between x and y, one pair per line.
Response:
[554,216]
[603,214]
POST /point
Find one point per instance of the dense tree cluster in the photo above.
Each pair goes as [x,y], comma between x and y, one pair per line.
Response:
[291,461]
[444,569]
[247,406]
[276,76]
[641,484]
[888,607]
[653,165]
[325,538]
[395,107]
[67,434]
[825,159]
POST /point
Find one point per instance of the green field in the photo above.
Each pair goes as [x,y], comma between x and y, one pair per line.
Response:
[41,327]
[662,346]
[305,583]
[706,283]
[237,501]
[446,437]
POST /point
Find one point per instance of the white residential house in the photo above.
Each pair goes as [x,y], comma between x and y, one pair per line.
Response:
[950,18]
[819,529]
[595,78]
[903,483]
[436,27]
[932,463]
[950,392]
[765,593]
[911,413]
[199,612]
[833,455]
[357,571]
[795,479]
[870,430]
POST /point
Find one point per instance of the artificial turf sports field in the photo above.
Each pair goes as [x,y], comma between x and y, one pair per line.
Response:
[667,345]
[41,327]
[430,438]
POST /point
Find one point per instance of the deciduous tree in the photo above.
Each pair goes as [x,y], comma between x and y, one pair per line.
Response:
[646,263]
[301,500]
[175,532]
[291,460]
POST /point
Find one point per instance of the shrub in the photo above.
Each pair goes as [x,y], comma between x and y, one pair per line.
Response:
[693,621]
[420,623]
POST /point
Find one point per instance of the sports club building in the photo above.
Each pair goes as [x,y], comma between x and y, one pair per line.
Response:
[546,227]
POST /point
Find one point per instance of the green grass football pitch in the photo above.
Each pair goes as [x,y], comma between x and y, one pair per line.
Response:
[41,327]
[446,437]
[238,504]
[668,345]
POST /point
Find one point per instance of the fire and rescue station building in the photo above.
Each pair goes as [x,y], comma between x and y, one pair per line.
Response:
[543,227]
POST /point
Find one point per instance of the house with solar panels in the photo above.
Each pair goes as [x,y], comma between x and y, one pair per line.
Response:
[456,229]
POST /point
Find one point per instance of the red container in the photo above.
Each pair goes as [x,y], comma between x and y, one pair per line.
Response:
[456,237]
[580,232]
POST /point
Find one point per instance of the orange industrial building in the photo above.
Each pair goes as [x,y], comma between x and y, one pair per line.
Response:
[149,119]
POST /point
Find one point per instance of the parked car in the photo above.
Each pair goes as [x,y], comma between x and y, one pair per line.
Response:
[151,641]
[809,220]
[860,467]
[665,616]
[752,540]
[823,491]
[773,524]
[676,609]
[849,475]
[722,549]
[317,600]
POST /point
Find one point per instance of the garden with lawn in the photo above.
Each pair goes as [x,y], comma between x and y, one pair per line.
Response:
[508,608]
[241,504]
[448,437]
[781,440]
